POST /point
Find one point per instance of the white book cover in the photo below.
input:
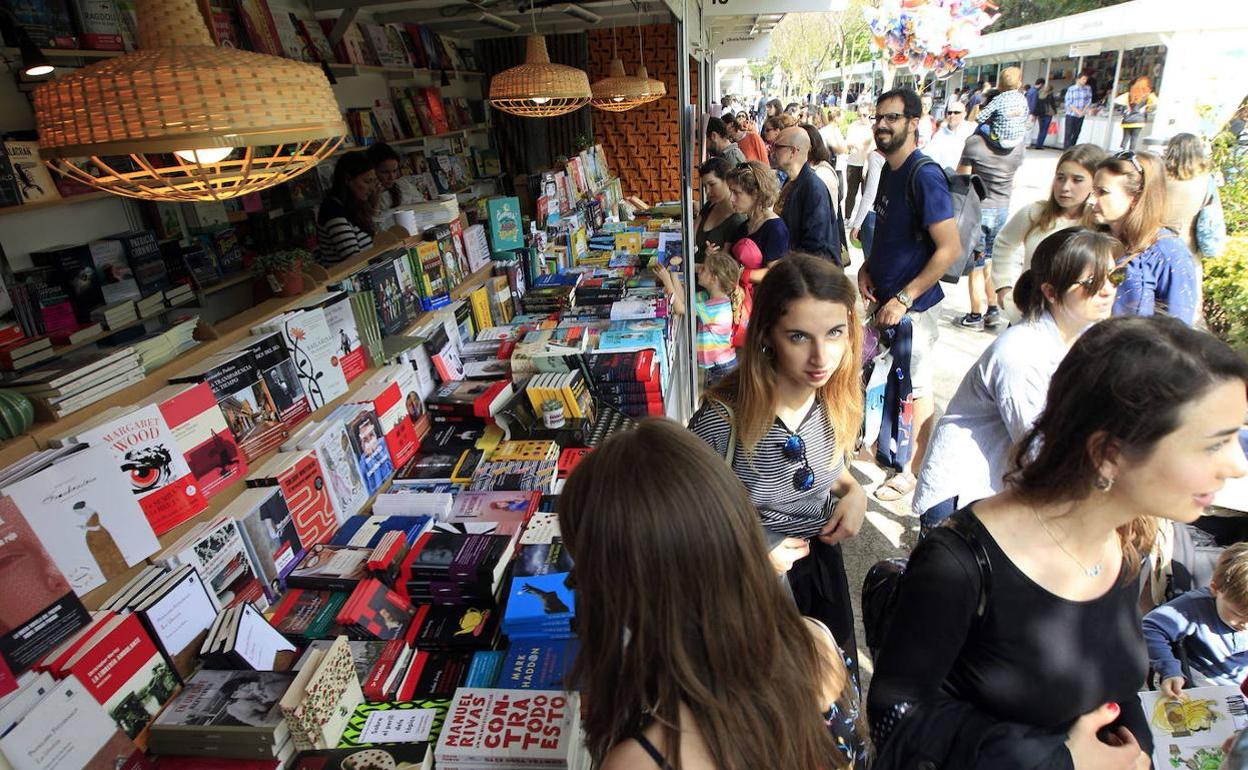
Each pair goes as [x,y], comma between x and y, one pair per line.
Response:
[487,726]
[315,353]
[67,730]
[340,319]
[219,554]
[86,516]
[258,642]
[338,461]
[147,457]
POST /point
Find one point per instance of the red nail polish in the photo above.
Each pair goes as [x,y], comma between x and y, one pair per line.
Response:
[1114,707]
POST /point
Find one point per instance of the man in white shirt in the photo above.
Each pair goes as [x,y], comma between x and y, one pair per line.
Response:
[946,145]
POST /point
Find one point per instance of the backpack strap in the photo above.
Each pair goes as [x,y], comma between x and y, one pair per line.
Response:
[732,431]
[964,524]
[911,196]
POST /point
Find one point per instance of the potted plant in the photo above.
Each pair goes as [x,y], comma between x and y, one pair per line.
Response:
[284,270]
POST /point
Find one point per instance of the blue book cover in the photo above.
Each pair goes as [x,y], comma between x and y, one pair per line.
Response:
[485,668]
[369,446]
[506,231]
[368,530]
[539,601]
[538,664]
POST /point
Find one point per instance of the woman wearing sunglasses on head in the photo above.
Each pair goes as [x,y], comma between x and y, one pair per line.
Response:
[1069,286]
[1016,640]
[786,420]
[1129,197]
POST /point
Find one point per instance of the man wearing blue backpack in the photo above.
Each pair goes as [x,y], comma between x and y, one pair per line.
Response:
[902,272]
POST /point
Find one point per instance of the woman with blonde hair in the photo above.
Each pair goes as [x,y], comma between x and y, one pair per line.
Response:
[1189,186]
[1129,197]
[786,421]
[1138,101]
[691,656]
[1066,206]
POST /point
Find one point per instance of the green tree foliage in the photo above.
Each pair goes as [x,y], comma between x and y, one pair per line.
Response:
[1017,13]
[807,44]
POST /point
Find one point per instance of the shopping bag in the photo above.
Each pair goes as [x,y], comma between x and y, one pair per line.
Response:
[896,436]
[877,381]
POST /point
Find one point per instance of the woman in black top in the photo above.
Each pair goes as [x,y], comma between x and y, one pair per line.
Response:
[1140,423]
[344,223]
[717,223]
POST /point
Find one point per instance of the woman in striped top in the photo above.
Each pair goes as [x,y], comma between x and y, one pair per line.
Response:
[785,422]
[344,224]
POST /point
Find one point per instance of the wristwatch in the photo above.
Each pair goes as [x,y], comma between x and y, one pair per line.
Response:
[904,299]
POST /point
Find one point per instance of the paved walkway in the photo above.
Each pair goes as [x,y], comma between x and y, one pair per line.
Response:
[891,528]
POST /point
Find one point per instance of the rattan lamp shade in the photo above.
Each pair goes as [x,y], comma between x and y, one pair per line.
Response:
[115,125]
[618,92]
[537,88]
[655,89]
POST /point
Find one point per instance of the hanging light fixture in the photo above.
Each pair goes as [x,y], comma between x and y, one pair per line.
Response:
[537,88]
[618,92]
[184,120]
[653,89]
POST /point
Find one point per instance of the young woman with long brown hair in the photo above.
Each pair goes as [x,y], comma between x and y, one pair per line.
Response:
[1066,206]
[1140,424]
[786,421]
[691,656]
[1129,197]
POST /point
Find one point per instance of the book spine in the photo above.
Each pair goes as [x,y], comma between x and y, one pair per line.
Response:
[374,685]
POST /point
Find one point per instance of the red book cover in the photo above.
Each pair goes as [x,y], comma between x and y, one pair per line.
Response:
[56,661]
[261,30]
[127,675]
[303,487]
[202,435]
[396,424]
[376,611]
[421,58]
[374,685]
[569,458]
[385,552]
[38,608]
[149,457]
[437,112]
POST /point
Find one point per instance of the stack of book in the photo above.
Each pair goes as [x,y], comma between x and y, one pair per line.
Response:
[179,295]
[150,305]
[540,605]
[230,714]
[116,315]
[157,349]
[79,381]
[631,381]
[24,353]
[451,568]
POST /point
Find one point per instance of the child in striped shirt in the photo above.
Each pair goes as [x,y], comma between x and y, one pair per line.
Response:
[717,277]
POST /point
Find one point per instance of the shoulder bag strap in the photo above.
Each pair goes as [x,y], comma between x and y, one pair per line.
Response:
[732,432]
[968,530]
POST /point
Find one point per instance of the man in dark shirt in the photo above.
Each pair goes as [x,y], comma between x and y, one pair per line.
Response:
[805,204]
[995,166]
[901,274]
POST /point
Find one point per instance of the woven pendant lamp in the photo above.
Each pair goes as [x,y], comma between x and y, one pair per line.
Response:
[618,92]
[537,88]
[653,89]
[184,120]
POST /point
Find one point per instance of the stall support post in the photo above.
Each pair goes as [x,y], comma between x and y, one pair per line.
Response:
[1109,112]
[688,390]
[1048,70]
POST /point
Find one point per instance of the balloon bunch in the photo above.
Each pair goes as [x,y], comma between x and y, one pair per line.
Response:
[929,35]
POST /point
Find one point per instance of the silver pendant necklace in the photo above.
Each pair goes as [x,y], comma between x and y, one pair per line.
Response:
[1093,571]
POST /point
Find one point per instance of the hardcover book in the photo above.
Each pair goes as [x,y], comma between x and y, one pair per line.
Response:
[506,232]
[39,607]
[86,516]
[69,729]
[147,456]
[490,726]
[302,482]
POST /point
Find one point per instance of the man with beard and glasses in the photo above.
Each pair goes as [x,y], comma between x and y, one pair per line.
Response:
[901,275]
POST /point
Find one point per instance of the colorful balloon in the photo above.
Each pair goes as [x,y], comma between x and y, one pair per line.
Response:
[929,35]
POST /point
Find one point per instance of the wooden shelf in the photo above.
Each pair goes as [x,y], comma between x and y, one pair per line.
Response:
[63,349]
[397,73]
[67,53]
[228,283]
[84,198]
[413,140]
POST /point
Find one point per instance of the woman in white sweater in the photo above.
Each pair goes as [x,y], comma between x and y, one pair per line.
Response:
[1070,286]
[862,220]
[1065,207]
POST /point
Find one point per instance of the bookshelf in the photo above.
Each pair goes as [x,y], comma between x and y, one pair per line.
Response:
[417,140]
[56,54]
[71,200]
[63,349]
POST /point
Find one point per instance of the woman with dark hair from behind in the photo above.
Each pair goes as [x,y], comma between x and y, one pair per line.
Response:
[820,159]
[1069,286]
[344,223]
[1129,197]
[1140,424]
[786,421]
[691,656]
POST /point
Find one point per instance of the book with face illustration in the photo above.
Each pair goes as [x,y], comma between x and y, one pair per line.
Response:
[86,517]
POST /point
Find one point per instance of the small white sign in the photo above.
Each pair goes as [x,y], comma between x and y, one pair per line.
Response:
[398,726]
[1092,48]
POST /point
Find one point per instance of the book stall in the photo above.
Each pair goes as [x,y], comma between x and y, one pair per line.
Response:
[305,521]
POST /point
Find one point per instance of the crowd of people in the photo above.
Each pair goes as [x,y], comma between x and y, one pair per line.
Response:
[1100,417]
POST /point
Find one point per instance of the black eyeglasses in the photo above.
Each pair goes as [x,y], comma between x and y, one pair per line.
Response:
[887,117]
[794,449]
[1129,155]
[953,112]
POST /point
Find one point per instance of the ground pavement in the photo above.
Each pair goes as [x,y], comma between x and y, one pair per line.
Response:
[891,528]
